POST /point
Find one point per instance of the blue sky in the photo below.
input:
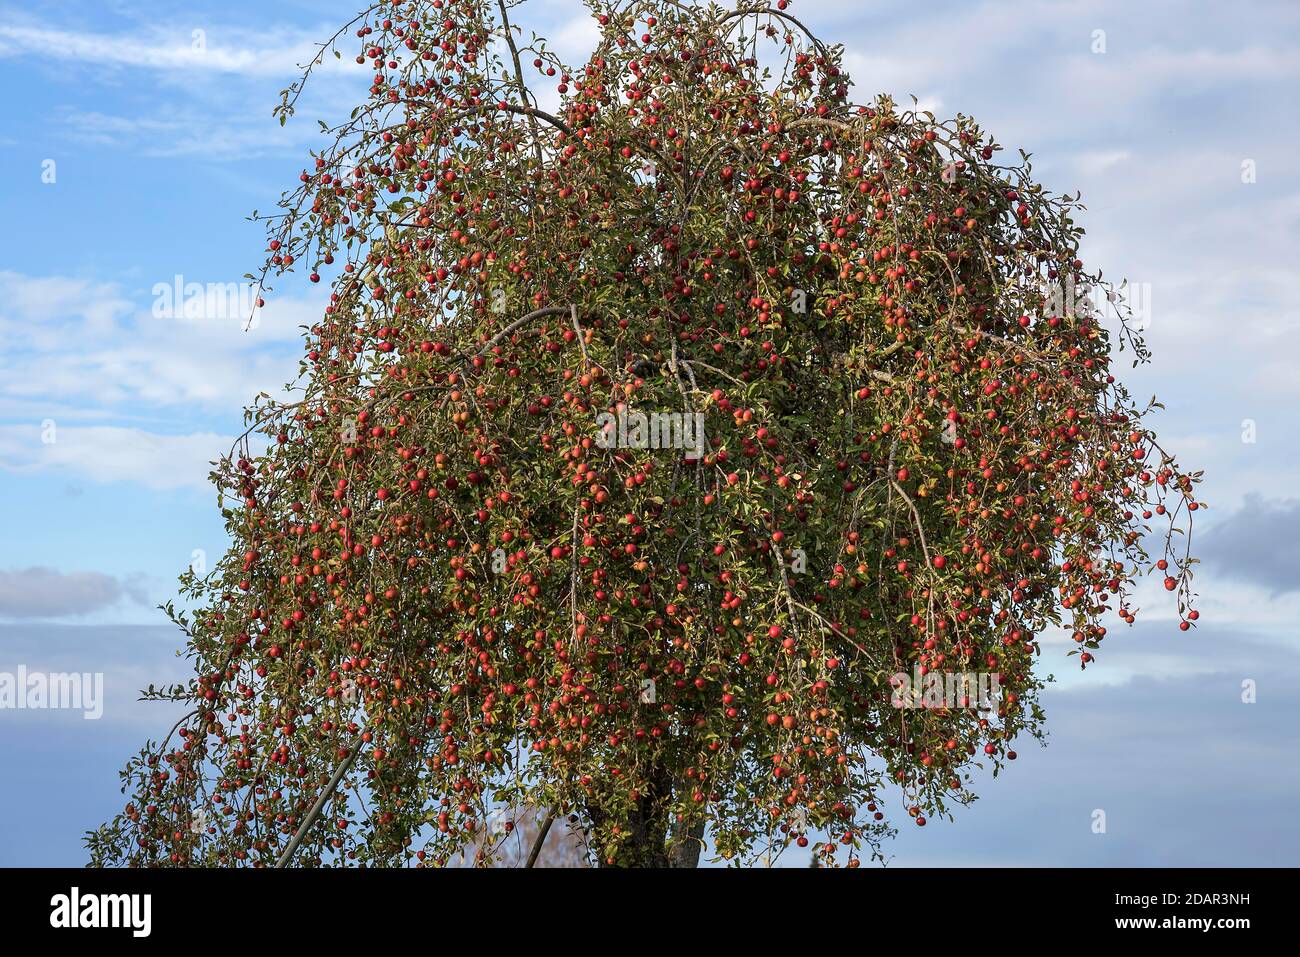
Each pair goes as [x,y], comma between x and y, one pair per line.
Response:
[1176,120]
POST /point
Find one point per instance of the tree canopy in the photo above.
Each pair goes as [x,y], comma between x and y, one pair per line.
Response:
[666,409]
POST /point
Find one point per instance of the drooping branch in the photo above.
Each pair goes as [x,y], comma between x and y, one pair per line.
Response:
[314,814]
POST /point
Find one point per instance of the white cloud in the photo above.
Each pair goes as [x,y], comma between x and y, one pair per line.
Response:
[125,355]
[575,38]
[100,453]
[178,51]
[96,305]
[128,365]
[177,131]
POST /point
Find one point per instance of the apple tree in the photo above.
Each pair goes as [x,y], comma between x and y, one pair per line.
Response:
[670,415]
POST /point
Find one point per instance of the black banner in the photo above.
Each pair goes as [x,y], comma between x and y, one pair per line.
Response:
[334,907]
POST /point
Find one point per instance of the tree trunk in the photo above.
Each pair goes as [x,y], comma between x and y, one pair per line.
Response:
[650,829]
[687,844]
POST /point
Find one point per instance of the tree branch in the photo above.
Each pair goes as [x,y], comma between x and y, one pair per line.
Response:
[319,806]
[541,838]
